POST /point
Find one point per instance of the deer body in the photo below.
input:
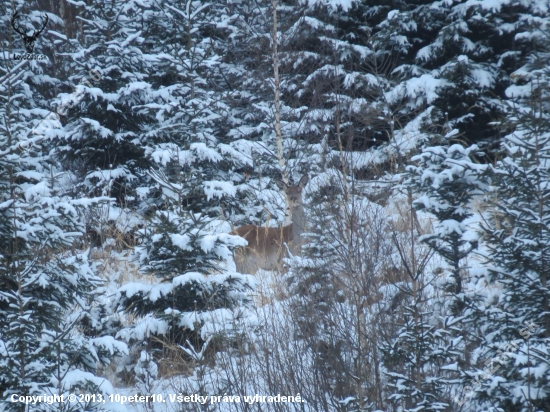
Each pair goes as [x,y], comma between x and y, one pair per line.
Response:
[267,246]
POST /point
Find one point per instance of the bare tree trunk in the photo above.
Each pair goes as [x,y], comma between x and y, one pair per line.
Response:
[277,87]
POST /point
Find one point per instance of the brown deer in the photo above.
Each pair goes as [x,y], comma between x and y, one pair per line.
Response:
[267,245]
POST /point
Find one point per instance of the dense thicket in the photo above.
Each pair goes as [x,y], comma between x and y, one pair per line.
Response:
[46,285]
[152,128]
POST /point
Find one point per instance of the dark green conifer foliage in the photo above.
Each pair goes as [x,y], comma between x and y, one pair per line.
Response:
[102,141]
[46,285]
[515,332]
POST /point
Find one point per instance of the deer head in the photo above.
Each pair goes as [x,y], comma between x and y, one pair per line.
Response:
[28,40]
[294,193]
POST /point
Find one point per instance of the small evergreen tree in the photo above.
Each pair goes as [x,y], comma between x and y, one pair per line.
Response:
[513,365]
[414,360]
[446,180]
[455,56]
[416,354]
[188,254]
[186,106]
[146,371]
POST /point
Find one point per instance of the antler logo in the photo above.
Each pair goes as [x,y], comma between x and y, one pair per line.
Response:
[28,40]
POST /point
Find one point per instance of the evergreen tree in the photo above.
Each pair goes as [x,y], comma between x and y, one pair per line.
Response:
[101,142]
[414,360]
[447,180]
[45,285]
[330,84]
[187,106]
[188,253]
[455,56]
[415,356]
[512,358]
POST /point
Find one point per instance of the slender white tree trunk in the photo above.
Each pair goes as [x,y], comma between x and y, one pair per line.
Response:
[277,87]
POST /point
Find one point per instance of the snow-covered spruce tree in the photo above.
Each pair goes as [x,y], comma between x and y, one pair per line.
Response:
[146,371]
[415,354]
[413,359]
[45,285]
[187,251]
[446,179]
[248,65]
[186,105]
[456,56]
[100,142]
[513,365]
[329,82]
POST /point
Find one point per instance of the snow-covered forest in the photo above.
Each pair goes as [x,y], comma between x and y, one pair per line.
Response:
[342,202]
